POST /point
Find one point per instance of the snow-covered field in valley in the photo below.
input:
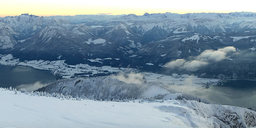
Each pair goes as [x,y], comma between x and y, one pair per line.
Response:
[19,110]
[59,67]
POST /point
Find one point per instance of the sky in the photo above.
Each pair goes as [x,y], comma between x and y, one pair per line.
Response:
[115,7]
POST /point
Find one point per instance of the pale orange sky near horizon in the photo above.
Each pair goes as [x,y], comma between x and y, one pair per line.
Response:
[115,7]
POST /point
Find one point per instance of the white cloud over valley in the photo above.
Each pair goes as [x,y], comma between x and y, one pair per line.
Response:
[205,58]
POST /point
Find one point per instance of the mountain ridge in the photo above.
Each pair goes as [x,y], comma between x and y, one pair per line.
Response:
[134,40]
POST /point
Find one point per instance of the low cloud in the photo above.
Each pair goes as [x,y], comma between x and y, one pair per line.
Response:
[194,65]
[175,64]
[216,55]
[205,58]
[130,78]
[189,86]
[31,87]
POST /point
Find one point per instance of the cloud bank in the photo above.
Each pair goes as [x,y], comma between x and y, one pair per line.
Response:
[130,78]
[31,87]
[205,58]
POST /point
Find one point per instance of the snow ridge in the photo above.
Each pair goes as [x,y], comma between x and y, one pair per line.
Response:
[41,112]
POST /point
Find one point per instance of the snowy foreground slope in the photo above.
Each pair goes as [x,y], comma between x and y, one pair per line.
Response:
[19,110]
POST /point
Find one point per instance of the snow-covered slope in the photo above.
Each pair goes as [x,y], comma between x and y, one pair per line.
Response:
[6,36]
[19,110]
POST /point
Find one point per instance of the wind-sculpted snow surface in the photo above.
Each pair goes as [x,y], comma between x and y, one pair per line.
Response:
[42,111]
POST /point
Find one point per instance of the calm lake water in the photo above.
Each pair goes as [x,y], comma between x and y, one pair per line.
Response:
[237,93]
[12,76]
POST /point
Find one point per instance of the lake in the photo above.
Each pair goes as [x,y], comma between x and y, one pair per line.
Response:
[13,76]
[234,92]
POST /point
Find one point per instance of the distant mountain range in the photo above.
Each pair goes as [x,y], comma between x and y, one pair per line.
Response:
[145,42]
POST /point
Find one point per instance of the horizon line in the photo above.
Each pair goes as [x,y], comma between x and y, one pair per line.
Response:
[111,14]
